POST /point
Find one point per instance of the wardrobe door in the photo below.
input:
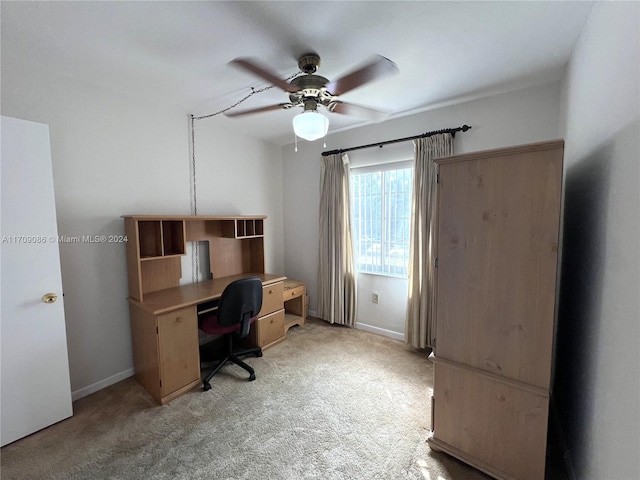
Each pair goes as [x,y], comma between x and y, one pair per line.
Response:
[498,230]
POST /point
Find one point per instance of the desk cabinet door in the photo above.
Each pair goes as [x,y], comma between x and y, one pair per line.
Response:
[178,347]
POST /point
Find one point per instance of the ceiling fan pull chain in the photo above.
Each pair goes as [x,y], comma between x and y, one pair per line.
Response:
[253,92]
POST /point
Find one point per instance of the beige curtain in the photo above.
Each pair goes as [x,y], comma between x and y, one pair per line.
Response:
[420,327]
[336,273]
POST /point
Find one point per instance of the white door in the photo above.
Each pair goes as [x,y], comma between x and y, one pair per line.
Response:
[34,369]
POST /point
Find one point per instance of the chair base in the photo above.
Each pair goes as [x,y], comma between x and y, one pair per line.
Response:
[233,358]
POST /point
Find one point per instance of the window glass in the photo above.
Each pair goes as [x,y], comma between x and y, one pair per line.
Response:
[380,213]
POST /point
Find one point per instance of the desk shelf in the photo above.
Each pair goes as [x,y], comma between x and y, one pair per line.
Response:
[158,238]
[294,297]
[243,228]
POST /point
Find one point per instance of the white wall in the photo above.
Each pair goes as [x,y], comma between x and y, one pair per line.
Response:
[240,175]
[112,156]
[524,116]
[597,383]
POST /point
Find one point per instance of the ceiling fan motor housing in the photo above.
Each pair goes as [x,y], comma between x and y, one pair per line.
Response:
[310,88]
[309,62]
[318,94]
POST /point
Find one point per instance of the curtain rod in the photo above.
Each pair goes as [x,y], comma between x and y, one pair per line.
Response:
[452,131]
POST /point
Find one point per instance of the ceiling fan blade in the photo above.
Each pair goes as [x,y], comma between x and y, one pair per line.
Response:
[377,68]
[358,111]
[263,73]
[280,106]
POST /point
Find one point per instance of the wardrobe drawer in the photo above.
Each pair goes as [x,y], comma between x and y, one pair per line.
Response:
[270,329]
[271,298]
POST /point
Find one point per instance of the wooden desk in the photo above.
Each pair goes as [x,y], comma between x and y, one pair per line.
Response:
[164,331]
[164,315]
[171,299]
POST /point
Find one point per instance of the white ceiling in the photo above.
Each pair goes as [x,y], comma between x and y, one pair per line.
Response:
[177,53]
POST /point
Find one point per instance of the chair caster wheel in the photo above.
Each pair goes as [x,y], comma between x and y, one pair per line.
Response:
[206,386]
[252,377]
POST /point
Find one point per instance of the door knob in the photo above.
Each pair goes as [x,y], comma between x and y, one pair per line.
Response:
[49,297]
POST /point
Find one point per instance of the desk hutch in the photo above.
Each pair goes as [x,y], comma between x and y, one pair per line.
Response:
[164,314]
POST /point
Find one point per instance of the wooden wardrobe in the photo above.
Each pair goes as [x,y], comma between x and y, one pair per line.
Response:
[498,225]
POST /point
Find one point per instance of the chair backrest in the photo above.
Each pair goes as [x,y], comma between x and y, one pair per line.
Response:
[240,302]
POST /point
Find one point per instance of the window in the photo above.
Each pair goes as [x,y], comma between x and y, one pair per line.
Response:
[380,216]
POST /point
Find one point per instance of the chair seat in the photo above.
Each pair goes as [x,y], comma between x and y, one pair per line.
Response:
[211,325]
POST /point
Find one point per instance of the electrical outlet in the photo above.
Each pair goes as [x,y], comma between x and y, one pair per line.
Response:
[375,297]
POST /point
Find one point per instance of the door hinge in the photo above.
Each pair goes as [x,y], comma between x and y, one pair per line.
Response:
[435,262]
[437,178]
[157,331]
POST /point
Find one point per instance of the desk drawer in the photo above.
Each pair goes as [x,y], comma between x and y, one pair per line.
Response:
[271,299]
[295,292]
[270,328]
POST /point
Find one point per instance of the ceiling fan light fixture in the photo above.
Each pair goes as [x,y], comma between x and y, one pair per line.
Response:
[310,125]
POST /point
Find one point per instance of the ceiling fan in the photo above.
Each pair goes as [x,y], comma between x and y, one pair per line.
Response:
[309,91]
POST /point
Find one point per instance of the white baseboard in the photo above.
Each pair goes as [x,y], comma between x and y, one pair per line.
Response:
[93,388]
[370,328]
[380,331]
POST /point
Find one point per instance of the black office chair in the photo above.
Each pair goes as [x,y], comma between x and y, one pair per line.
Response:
[238,308]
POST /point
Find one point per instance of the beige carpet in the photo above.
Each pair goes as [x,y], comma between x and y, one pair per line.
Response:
[328,403]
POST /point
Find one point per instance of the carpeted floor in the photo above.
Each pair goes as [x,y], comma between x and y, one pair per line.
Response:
[329,403]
